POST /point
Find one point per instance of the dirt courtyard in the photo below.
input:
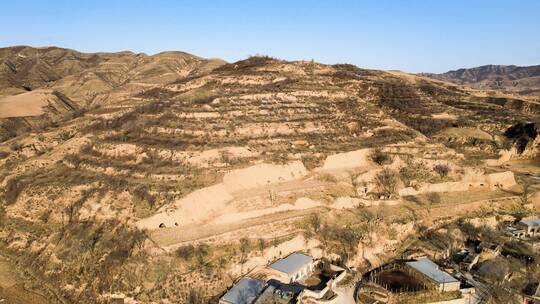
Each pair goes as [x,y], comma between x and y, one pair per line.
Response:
[398,280]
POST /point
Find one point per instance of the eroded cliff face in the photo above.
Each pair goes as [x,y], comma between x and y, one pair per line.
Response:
[524,137]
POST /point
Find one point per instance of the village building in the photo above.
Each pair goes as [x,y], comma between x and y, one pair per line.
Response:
[293,279]
[245,291]
[433,276]
[294,267]
[532,225]
[525,228]
[277,292]
[517,231]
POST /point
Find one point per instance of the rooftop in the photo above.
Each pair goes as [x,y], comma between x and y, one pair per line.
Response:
[266,296]
[292,263]
[531,222]
[516,227]
[432,271]
[244,292]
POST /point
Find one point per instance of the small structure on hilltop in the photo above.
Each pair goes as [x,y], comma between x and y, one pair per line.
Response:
[433,276]
[295,266]
[244,291]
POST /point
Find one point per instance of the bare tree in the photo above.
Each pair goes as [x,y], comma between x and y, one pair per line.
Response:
[244,248]
[261,244]
[526,194]
[414,171]
[315,222]
[442,169]
[353,176]
[226,157]
[433,198]
[201,252]
[194,297]
[386,181]
[380,158]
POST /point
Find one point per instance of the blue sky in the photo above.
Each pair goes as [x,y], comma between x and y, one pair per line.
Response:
[410,35]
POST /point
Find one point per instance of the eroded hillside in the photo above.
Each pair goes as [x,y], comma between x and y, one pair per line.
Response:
[184,151]
[520,79]
[88,80]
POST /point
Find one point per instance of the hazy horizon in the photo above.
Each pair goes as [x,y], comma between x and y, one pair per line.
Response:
[417,36]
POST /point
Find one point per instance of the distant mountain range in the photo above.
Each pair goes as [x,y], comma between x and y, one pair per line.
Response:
[521,79]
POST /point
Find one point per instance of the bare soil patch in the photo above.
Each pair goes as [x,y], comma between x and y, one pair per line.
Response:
[26,104]
[398,280]
[12,288]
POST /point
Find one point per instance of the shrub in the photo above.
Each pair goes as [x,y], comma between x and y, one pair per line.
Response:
[414,171]
[185,252]
[65,135]
[86,149]
[434,198]
[3,154]
[386,181]
[201,252]
[16,146]
[380,158]
[468,229]
[315,222]
[364,214]
[326,177]
[442,169]
[340,240]
[525,195]
[44,217]
[413,199]
[74,159]
[245,244]
[142,193]
[392,233]
[194,296]
[311,161]
[13,189]
[261,244]
[190,252]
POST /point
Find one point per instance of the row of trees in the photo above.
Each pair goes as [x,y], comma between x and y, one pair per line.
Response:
[414,171]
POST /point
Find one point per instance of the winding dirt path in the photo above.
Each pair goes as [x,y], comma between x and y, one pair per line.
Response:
[171,236]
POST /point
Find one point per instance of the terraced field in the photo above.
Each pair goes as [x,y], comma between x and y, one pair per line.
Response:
[219,152]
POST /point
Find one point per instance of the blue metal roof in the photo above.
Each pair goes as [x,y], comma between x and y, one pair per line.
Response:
[292,263]
[432,271]
[532,222]
[244,292]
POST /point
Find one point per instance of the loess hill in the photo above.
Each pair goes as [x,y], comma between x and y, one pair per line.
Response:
[117,137]
[523,80]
